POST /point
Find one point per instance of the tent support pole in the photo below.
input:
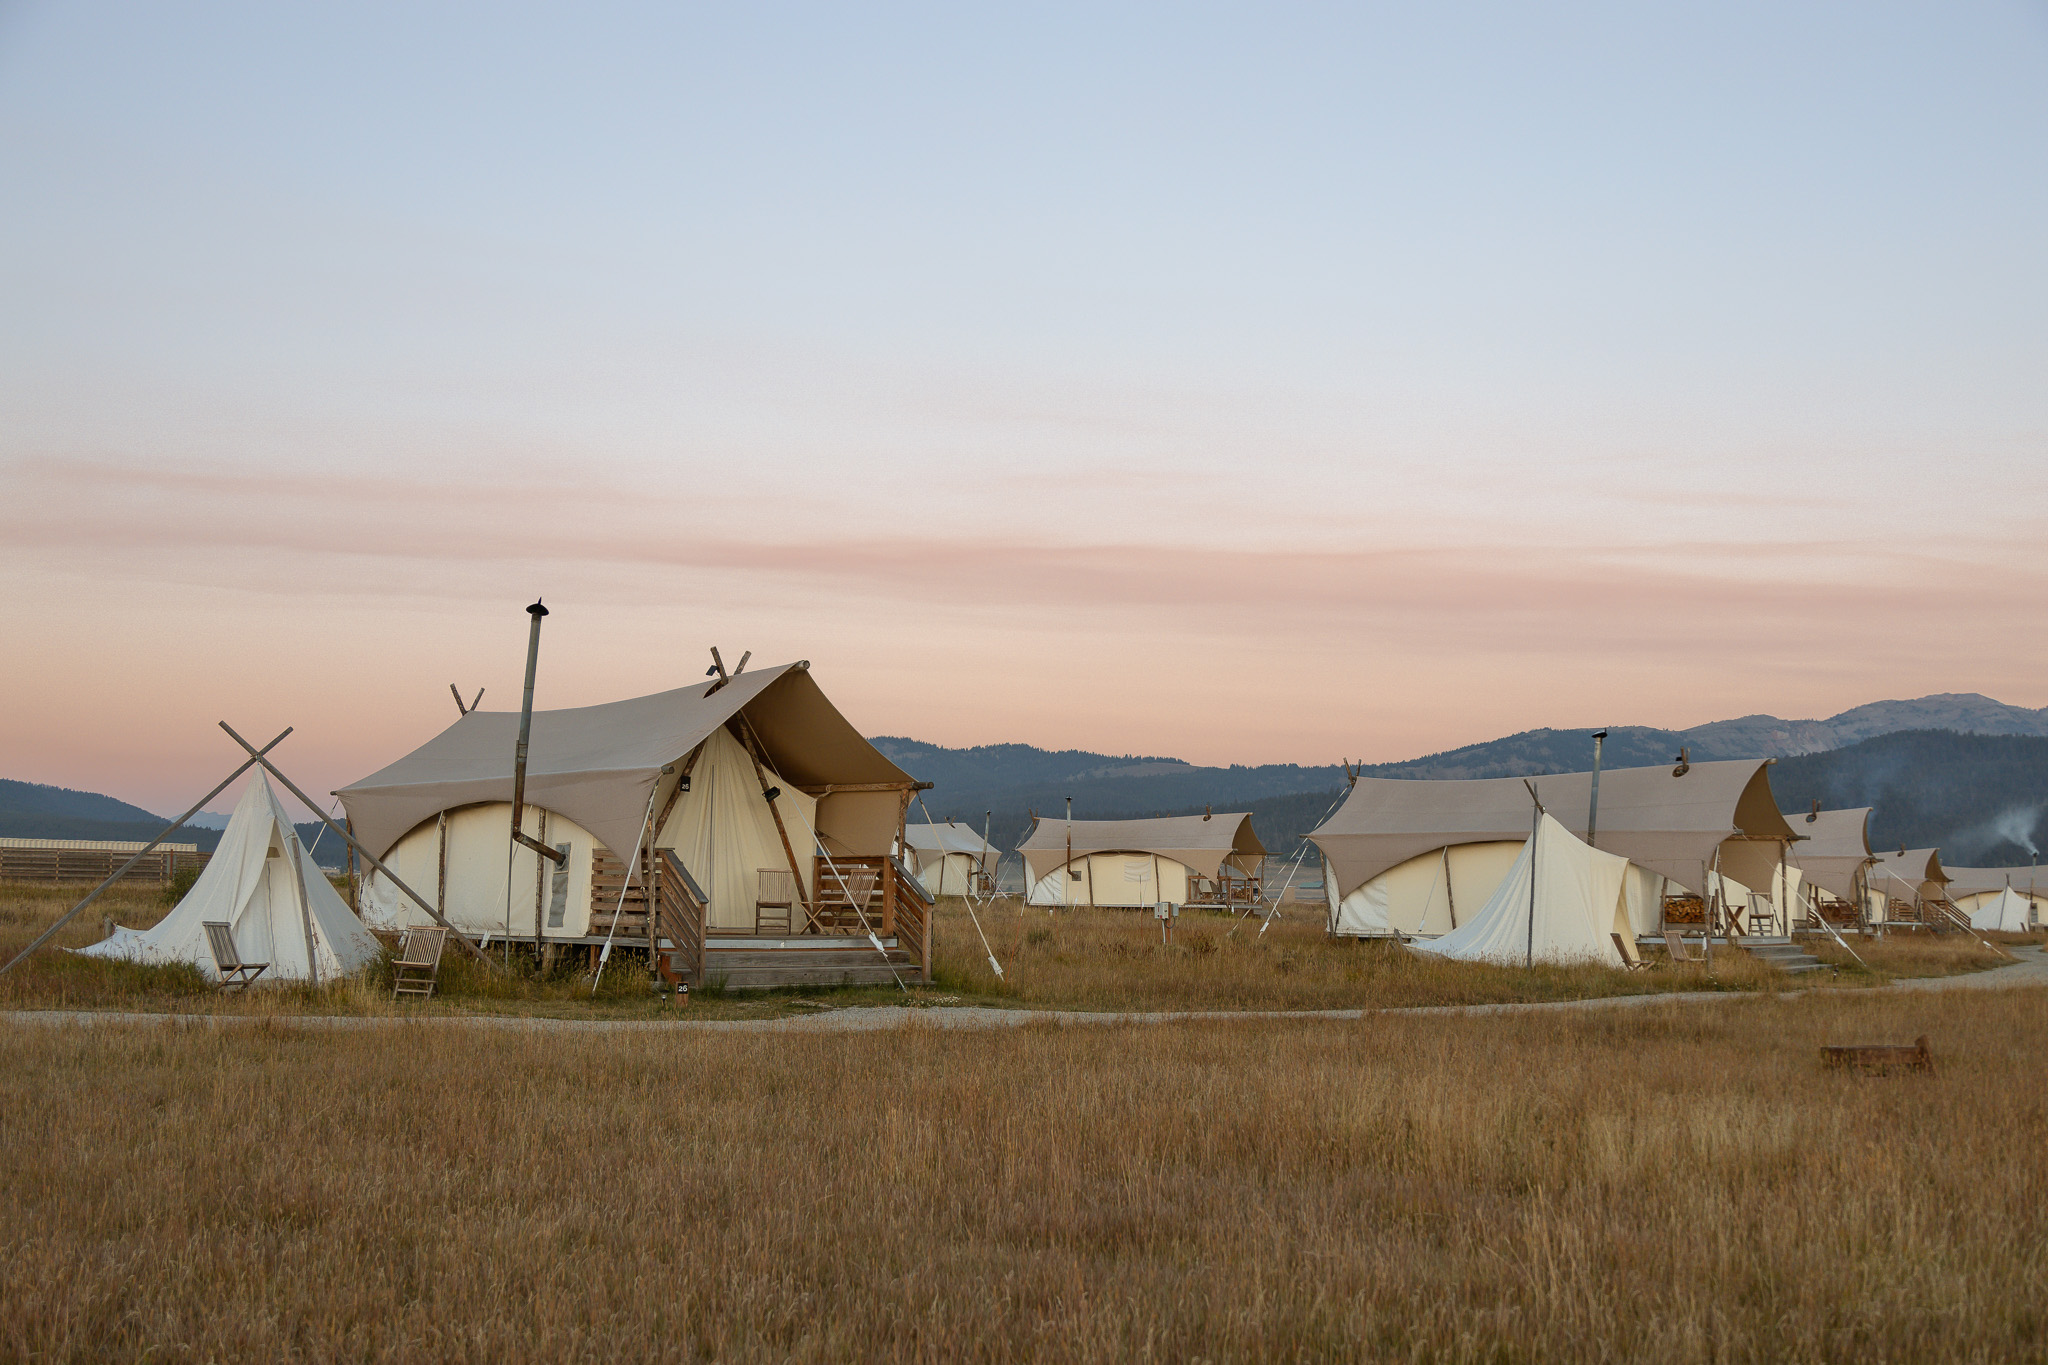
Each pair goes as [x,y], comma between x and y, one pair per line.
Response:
[165,833]
[375,863]
[750,743]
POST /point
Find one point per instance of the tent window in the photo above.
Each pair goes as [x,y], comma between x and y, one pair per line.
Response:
[558,893]
[1136,871]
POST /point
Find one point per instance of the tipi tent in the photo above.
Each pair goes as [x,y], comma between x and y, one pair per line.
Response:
[948,858]
[261,883]
[1125,863]
[1561,902]
[2005,913]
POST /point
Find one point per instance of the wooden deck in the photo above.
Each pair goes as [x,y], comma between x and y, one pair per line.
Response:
[832,950]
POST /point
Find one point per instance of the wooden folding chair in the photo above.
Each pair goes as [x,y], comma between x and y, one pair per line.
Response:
[235,974]
[418,964]
[857,886]
[1629,962]
[774,900]
[1675,945]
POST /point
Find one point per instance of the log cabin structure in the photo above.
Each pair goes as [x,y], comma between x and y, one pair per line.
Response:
[737,831]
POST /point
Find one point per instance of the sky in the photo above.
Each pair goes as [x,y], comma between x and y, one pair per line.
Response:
[1262,383]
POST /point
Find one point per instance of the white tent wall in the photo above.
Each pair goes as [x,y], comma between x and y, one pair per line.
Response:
[1119,881]
[1643,892]
[253,884]
[2004,912]
[725,834]
[478,837]
[1578,904]
[945,874]
[2037,903]
[1415,897]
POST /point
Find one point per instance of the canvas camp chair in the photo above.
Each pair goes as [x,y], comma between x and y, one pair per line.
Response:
[235,974]
[774,900]
[418,964]
[1629,961]
[1675,945]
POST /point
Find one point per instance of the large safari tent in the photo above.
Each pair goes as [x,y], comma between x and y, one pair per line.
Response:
[1834,859]
[677,816]
[1705,843]
[950,858]
[1972,888]
[1181,859]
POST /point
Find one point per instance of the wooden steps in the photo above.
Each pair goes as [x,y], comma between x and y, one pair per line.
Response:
[765,969]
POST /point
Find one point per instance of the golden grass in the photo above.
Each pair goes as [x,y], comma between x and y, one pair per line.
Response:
[1672,1184]
[1076,959]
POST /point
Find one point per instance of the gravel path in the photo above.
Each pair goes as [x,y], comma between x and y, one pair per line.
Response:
[2031,970]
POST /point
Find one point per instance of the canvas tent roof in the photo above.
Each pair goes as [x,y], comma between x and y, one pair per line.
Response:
[1973,881]
[1670,825]
[263,886]
[1836,845]
[2005,913]
[949,837]
[598,764]
[1201,842]
[1560,902]
[1915,872]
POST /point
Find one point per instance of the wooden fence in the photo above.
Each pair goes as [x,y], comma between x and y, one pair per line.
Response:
[59,865]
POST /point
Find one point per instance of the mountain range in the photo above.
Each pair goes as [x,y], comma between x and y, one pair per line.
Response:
[31,810]
[1009,781]
[1958,768]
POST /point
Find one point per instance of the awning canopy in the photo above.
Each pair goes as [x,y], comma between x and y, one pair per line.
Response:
[1836,846]
[1673,825]
[950,837]
[1977,881]
[1916,872]
[598,764]
[1201,842]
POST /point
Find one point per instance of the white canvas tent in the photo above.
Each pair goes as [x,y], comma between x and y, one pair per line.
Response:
[1561,902]
[1971,887]
[672,771]
[1416,856]
[1128,863]
[261,883]
[947,857]
[2005,913]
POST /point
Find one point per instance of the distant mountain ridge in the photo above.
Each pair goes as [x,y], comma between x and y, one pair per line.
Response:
[33,810]
[1010,780]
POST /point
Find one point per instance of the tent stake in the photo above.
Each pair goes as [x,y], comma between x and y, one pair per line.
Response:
[375,863]
[167,832]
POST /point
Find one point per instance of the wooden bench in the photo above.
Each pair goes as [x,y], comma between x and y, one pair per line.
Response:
[235,974]
[1880,1058]
[418,964]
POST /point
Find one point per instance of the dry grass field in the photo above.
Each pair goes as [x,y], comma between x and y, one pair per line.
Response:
[1079,959]
[1678,1184]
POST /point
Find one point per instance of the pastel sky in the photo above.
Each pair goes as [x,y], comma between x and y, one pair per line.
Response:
[1243,383]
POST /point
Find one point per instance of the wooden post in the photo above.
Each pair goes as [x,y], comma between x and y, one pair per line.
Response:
[889,894]
[353,900]
[441,884]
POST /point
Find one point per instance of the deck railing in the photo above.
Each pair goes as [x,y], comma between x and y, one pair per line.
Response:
[898,909]
[679,914]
